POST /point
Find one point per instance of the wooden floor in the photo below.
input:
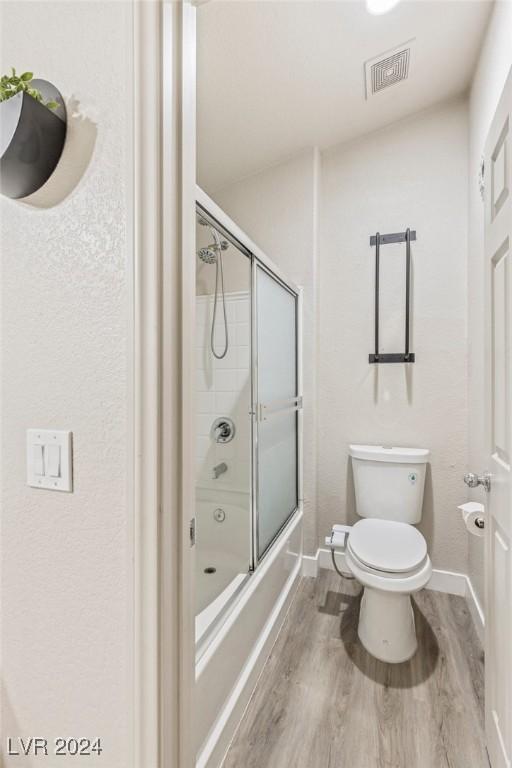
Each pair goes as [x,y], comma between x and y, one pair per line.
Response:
[324,702]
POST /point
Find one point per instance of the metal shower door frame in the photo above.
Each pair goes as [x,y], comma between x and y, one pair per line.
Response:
[257,406]
[229,229]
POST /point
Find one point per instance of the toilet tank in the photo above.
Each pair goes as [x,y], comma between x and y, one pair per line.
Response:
[389,482]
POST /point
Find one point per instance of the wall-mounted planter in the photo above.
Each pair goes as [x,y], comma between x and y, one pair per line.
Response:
[32,138]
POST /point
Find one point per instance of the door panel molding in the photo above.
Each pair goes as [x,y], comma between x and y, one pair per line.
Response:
[498,318]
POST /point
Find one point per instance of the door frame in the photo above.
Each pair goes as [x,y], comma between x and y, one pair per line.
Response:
[160,460]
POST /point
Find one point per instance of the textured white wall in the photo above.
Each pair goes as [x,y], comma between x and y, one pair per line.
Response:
[491,73]
[278,210]
[66,584]
[413,173]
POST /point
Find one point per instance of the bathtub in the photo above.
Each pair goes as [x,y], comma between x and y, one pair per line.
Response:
[223,541]
[229,663]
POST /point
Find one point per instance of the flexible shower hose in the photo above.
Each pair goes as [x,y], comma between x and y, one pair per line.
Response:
[218,267]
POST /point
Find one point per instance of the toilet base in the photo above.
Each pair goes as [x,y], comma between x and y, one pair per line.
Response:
[386,625]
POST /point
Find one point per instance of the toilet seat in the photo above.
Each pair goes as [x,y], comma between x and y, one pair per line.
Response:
[385,581]
[386,542]
[387,546]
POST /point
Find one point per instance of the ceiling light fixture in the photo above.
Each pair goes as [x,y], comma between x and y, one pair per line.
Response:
[378,7]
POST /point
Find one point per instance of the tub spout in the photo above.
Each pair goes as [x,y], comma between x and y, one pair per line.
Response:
[219,470]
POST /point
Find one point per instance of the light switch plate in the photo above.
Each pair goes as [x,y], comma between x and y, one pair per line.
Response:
[49,459]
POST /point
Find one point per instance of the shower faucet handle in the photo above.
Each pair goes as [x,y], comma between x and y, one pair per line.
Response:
[223,430]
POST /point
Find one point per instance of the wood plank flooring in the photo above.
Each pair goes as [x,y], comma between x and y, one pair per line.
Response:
[323,702]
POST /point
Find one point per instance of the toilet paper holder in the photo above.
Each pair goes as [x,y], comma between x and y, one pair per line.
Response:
[470,508]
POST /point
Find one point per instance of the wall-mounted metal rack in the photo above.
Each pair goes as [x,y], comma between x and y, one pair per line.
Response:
[377,240]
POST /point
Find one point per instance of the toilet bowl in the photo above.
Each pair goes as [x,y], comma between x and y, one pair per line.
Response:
[384,551]
[390,560]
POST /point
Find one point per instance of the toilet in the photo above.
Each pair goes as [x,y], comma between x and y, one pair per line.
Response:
[384,551]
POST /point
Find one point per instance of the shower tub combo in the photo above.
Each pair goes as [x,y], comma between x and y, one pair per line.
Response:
[248,475]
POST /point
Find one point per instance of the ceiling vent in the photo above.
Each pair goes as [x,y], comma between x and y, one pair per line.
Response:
[387,69]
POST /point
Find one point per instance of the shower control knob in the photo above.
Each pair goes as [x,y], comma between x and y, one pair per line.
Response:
[223,430]
[474,480]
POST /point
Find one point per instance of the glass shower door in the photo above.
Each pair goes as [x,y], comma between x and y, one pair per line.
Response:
[223,512]
[277,404]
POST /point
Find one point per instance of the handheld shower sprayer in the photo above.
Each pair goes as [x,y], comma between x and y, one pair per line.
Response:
[212,254]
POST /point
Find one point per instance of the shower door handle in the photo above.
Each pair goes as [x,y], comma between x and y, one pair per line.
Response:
[265,410]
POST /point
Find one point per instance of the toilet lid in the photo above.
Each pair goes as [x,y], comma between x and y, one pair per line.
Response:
[387,545]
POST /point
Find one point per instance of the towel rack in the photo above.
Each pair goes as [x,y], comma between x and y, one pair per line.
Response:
[377,240]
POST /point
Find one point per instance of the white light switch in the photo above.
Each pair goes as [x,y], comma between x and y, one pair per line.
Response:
[49,459]
[53,460]
[38,451]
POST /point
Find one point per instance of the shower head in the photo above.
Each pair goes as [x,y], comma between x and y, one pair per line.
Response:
[208,254]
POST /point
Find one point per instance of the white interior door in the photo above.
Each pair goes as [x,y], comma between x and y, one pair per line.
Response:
[498,236]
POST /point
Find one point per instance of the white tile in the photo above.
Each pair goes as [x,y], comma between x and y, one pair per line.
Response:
[205,402]
[242,357]
[243,426]
[242,334]
[203,445]
[230,309]
[203,337]
[226,362]
[204,380]
[242,311]
[243,380]
[224,451]
[199,466]
[225,402]
[201,315]
[201,357]
[203,323]
[225,380]
[220,336]
[203,424]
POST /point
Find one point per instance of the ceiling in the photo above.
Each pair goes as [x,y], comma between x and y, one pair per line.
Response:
[277,77]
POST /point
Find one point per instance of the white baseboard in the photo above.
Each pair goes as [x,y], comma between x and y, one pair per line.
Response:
[476,611]
[449,582]
[322,559]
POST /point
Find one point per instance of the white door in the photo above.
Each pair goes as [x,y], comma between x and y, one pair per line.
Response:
[498,237]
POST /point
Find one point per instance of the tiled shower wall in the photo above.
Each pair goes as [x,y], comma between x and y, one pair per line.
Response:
[223,388]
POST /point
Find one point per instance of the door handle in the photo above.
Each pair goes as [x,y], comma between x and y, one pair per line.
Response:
[474,480]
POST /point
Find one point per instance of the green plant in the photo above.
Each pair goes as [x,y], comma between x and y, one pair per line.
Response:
[13,84]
